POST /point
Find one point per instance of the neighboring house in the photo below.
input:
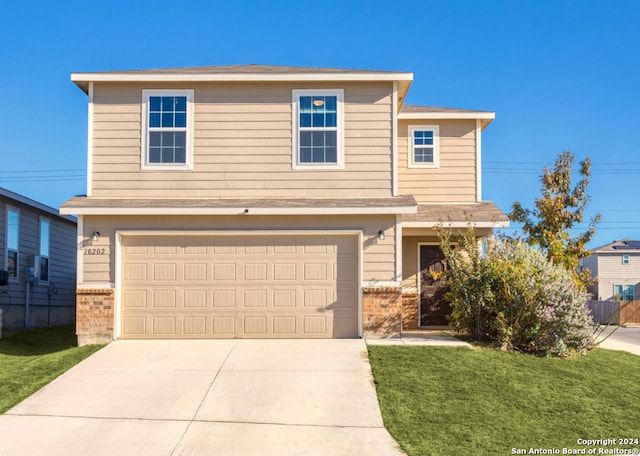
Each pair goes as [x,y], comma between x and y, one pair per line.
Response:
[266,201]
[37,263]
[616,268]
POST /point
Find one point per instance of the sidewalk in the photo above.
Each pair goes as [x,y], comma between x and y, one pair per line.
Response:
[625,338]
[437,337]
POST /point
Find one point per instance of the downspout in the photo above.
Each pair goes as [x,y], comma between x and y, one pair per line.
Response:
[478,160]
[90,141]
[27,300]
[26,306]
[394,140]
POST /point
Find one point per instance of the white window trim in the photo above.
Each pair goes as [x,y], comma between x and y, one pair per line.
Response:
[295,134]
[144,157]
[6,243]
[624,288]
[436,146]
[626,259]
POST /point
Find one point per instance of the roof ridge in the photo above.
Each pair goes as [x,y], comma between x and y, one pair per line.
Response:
[424,108]
[255,68]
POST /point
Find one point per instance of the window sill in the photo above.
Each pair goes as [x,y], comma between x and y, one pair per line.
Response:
[424,165]
[160,167]
[318,167]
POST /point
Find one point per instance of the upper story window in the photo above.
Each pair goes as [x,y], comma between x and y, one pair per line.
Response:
[424,146]
[318,129]
[13,241]
[625,259]
[167,129]
[45,241]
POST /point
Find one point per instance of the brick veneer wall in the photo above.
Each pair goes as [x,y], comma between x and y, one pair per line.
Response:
[94,315]
[382,310]
[410,316]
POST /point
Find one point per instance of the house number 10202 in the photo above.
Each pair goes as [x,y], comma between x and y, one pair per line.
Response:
[95,251]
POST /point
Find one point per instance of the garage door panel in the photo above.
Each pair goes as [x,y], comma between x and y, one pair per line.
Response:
[195,298]
[285,271]
[252,286]
[163,272]
[165,246]
[163,298]
[224,298]
[315,298]
[343,326]
[255,271]
[315,325]
[135,271]
[134,298]
[255,298]
[284,298]
[345,271]
[164,325]
[225,325]
[344,297]
[194,325]
[195,271]
[224,271]
[224,247]
[134,326]
[255,325]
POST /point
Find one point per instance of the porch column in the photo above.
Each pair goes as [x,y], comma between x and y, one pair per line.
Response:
[94,315]
[382,310]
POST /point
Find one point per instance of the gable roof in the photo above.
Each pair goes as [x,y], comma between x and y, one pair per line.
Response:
[484,214]
[621,246]
[16,197]
[252,72]
[432,112]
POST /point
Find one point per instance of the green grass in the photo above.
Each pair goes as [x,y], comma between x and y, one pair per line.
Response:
[456,401]
[31,359]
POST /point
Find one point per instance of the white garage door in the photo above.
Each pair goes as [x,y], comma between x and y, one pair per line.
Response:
[239,286]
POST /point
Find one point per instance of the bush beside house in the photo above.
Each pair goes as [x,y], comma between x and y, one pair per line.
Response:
[514,296]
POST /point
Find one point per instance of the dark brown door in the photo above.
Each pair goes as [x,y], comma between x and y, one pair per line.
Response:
[434,308]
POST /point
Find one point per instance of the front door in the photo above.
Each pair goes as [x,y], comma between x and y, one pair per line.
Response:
[434,308]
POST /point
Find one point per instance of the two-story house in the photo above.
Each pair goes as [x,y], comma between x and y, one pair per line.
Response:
[267,201]
[615,268]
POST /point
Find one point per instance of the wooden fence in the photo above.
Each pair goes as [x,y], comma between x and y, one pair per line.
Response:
[615,312]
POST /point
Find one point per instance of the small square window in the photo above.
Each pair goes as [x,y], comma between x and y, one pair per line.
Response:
[424,146]
[625,259]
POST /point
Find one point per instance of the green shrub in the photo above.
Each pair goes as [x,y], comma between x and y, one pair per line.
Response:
[511,294]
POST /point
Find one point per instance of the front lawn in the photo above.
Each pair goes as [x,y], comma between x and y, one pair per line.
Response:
[456,401]
[31,359]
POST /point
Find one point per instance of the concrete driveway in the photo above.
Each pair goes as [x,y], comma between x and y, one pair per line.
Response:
[623,338]
[204,397]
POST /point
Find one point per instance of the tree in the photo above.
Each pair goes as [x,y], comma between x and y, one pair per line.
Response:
[556,212]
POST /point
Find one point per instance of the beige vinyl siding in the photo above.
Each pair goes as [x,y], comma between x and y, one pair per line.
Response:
[611,271]
[378,256]
[242,144]
[454,181]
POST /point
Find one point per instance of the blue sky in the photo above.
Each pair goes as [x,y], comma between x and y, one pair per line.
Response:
[560,75]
